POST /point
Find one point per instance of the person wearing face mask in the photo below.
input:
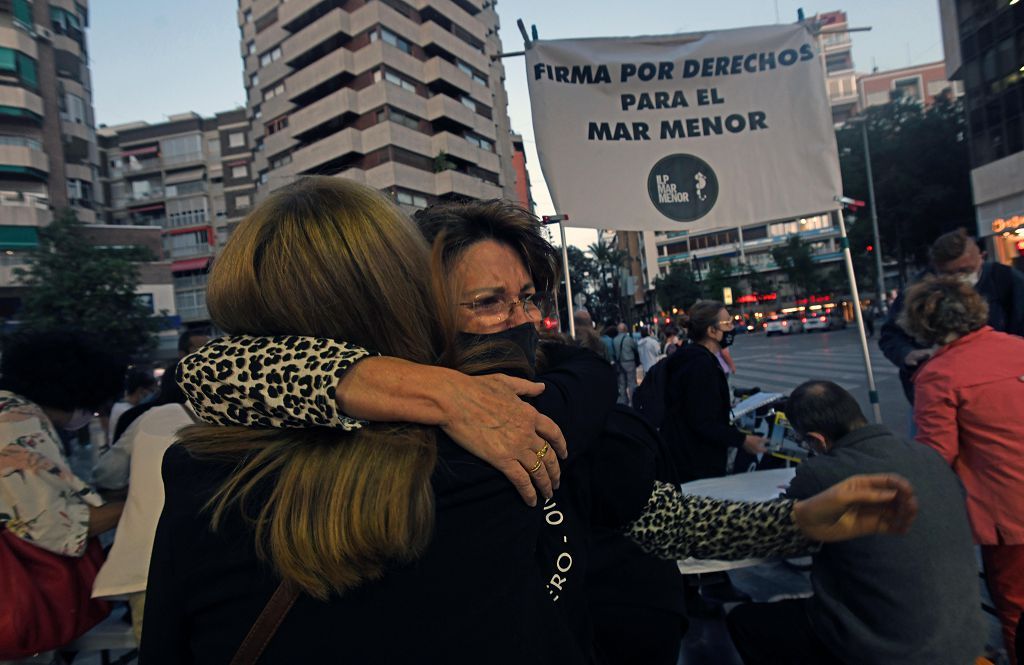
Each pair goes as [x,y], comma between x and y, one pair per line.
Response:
[956,254]
[51,381]
[697,426]
[140,387]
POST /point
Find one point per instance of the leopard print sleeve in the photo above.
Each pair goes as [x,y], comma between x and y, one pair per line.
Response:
[284,381]
[676,526]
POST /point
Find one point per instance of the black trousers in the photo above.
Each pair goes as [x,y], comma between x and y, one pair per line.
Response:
[624,635]
[778,633]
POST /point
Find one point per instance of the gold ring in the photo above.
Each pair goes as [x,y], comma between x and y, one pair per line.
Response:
[536,466]
[542,452]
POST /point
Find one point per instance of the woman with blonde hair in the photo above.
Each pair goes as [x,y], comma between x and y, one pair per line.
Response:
[967,406]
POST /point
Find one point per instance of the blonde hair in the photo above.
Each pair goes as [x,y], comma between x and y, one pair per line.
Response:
[939,309]
[330,258]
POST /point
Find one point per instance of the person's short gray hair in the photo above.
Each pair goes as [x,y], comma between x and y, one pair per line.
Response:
[940,309]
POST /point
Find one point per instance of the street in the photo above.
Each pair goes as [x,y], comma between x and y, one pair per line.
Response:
[782,363]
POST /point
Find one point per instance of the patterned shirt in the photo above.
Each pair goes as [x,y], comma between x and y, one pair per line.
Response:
[41,500]
[289,382]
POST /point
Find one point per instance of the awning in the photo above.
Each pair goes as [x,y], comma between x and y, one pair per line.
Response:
[183,176]
[148,150]
[19,237]
[149,208]
[190,265]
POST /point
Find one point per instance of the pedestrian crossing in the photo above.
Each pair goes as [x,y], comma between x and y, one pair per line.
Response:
[784,371]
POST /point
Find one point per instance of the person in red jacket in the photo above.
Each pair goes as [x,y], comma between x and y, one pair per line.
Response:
[968,407]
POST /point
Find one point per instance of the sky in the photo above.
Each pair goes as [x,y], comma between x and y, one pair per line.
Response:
[151,59]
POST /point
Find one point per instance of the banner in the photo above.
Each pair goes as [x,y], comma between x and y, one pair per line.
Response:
[684,132]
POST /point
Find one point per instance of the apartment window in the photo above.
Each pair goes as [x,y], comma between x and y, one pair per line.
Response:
[393,39]
[239,172]
[276,125]
[251,47]
[392,77]
[801,225]
[213,147]
[182,149]
[273,91]
[186,188]
[468,102]
[17,64]
[187,244]
[187,212]
[408,198]
[254,80]
[280,161]
[247,16]
[755,233]
[908,87]
[479,141]
[21,142]
[401,117]
[270,56]
[22,11]
[263,177]
[79,190]
[242,201]
[257,112]
[236,139]
[473,73]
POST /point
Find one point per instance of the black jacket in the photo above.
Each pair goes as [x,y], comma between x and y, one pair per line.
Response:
[1002,287]
[697,425]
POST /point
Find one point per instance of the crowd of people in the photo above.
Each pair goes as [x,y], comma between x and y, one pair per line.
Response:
[383,460]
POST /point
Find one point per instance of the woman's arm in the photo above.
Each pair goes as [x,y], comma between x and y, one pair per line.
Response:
[935,417]
[291,381]
[677,526]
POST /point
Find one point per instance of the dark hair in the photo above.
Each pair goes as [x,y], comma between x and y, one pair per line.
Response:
[645,331]
[949,247]
[185,340]
[942,307]
[138,378]
[461,225]
[62,370]
[703,315]
[824,407]
[170,393]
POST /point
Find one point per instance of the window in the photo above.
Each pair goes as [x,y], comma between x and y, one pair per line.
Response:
[21,142]
[254,80]
[19,65]
[213,147]
[273,91]
[276,125]
[394,78]
[236,139]
[755,233]
[480,142]
[247,16]
[242,201]
[413,199]
[187,212]
[401,117]
[908,87]
[251,47]
[238,172]
[270,56]
[79,190]
[468,102]
[186,188]
[801,225]
[182,149]
[191,243]
[278,162]
[22,11]
[393,39]
[473,73]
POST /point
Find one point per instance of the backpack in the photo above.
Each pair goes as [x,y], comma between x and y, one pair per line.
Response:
[651,396]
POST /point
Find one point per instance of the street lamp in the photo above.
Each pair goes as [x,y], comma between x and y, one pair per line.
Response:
[863,122]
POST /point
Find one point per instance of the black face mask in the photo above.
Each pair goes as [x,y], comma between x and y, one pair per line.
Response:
[524,337]
[728,337]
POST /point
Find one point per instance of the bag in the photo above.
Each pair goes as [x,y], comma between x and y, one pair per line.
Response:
[651,396]
[45,597]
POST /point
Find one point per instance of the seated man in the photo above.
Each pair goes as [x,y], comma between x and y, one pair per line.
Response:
[880,599]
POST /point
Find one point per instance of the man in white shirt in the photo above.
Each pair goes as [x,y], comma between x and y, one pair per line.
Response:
[649,349]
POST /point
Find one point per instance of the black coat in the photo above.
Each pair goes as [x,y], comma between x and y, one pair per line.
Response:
[697,427]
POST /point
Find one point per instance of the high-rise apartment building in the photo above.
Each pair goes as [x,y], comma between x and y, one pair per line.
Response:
[405,97]
[984,44]
[48,154]
[836,50]
[191,177]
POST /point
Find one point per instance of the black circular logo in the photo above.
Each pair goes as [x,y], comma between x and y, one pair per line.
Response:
[683,187]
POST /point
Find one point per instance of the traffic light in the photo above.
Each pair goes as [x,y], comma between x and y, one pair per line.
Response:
[549,323]
[1020,247]
[870,248]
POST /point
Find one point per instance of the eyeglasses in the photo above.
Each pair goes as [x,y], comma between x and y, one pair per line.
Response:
[727,325]
[499,308]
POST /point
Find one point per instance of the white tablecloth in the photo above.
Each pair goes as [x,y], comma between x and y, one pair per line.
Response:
[756,486]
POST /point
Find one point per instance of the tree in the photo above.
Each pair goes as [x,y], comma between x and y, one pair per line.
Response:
[794,258]
[921,172]
[757,282]
[74,285]
[678,289]
[609,262]
[718,278]
[582,271]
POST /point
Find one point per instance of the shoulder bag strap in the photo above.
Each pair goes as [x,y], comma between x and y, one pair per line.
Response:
[266,625]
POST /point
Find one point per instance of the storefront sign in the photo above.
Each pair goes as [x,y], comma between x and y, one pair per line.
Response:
[1002,225]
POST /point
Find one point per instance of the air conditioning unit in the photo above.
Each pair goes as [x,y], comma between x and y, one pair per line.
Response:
[43,33]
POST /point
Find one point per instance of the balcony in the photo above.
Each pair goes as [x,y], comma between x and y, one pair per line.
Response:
[330,25]
[28,103]
[323,110]
[458,146]
[24,209]
[195,313]
[321,71]
[27,158]
[432,33]
[455,14]
[189,251]
[449,183]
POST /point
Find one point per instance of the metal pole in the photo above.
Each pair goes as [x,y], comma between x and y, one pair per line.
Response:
[879,270]
[855,294]
[568,282]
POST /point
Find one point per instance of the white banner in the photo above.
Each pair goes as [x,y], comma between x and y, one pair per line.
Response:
[684,132]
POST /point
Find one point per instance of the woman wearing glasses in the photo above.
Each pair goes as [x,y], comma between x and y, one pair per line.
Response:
[493,261]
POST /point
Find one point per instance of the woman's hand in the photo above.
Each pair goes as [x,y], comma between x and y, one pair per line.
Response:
[858,506]
[486,416]
[755,445]
[483,414]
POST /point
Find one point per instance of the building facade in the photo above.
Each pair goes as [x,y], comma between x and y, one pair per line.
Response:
[191,178]
[405,97]
[984,45]
[921,83]
[836,50]
[48,153]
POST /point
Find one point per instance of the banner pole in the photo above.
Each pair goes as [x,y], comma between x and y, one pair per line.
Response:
[855,294]
[568,282]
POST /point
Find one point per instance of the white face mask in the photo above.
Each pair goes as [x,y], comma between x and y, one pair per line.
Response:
[969,278]
[79,419]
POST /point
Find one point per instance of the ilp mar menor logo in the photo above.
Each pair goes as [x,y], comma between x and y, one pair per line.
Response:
[683,187]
